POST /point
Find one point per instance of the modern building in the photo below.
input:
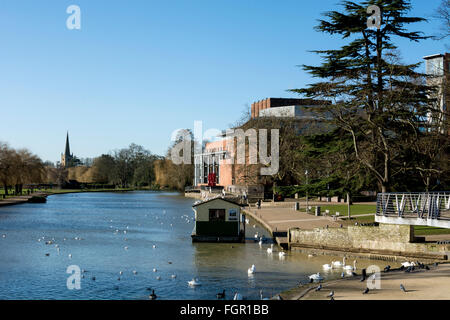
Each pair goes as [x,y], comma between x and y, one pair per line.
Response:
[218,220]
[245,179]
[269,103]
[66,157]
[210,161]
[438,67]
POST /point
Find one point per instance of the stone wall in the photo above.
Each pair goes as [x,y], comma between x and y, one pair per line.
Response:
[385,239]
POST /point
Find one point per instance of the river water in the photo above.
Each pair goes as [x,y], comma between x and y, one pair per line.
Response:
[106,233]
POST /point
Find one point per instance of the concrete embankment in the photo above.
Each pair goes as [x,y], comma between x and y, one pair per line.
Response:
[384,240]
[305,232]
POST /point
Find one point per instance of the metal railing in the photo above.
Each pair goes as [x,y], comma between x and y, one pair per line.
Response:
[426,205]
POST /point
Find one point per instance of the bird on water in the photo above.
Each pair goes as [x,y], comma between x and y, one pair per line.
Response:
[152,296]
[221,295]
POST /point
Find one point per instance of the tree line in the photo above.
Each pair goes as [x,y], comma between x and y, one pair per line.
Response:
[19,167]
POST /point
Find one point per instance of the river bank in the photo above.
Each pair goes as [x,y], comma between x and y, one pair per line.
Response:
[24,198]
[421,284]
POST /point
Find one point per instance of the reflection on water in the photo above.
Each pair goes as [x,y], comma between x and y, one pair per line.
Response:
[110,235]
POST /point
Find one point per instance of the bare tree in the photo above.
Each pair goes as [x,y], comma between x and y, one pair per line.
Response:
[443,14]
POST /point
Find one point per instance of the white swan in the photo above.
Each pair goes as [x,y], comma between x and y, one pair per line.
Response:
[349,267]
[339,263]
[316,277]
[408,264]
[270,250]
[251,270]
[281,254]
[194,282]
[328,266]
[261,295]
[238,296]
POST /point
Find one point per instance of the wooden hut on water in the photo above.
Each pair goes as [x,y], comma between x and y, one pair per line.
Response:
[218,220]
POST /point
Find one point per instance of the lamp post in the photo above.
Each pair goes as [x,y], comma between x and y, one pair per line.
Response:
[307,208]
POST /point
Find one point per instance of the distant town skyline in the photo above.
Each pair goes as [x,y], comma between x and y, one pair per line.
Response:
[136,72]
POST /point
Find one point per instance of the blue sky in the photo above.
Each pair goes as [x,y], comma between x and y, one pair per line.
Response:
[138,70]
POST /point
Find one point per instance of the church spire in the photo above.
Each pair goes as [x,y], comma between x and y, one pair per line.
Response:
[67,152]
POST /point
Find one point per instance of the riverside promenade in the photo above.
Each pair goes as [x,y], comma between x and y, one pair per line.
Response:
[420,284]
[279,217]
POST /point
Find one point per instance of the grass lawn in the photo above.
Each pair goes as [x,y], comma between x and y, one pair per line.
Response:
[426,230]
[355,209]
[364,219]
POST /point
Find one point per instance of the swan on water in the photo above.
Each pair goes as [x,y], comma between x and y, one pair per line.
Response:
[194,282]
[251,270]
[261,295]
[328,266]
[270,250]
[339,263]
[316,277]
[238,296]
[351,268]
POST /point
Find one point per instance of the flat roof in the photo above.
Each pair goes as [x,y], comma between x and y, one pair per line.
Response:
[433,56]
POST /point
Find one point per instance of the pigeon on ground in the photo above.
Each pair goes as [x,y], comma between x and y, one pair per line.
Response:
[331,295]
[319,287]
[366,291]
[387,268]
[402,288]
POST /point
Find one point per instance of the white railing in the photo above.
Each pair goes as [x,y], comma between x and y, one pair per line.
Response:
[426,205]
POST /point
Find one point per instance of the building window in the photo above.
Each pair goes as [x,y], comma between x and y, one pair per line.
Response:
[435,66]
[216,214]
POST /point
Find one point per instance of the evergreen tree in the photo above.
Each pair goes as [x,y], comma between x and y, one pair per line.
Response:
[380,102]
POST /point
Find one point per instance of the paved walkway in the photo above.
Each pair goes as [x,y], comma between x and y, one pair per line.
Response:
[280,219]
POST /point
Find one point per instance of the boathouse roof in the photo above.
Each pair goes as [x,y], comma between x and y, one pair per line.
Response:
[218,198]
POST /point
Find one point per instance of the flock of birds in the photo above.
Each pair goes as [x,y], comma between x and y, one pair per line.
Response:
[52,241]
[195,282]
[407,266]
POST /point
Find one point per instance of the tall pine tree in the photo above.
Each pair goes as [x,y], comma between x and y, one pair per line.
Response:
[379,101]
